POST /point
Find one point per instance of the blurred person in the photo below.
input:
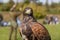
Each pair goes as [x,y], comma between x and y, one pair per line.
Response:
[56,20]
[47,20]
[1,19]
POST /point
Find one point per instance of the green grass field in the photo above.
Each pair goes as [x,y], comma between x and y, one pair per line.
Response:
[54,31]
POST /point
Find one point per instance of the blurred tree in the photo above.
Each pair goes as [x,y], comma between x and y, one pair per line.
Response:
[1,2]
[34,0]
[47,6]
[11,2]
[54,5]
[9,5]
[39,3]
[27,1]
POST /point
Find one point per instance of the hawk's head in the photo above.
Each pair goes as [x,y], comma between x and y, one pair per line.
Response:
[28,11]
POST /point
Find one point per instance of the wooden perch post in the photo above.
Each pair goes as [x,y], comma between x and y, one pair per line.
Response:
[13,23]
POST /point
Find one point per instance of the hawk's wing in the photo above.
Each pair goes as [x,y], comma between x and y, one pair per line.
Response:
[40,31]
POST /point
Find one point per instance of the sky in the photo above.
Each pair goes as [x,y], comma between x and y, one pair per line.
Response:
[49,2]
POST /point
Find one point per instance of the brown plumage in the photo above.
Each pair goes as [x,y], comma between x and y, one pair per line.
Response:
[32,29]
[40,32]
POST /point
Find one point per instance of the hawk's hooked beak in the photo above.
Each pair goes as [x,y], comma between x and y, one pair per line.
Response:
[28,11]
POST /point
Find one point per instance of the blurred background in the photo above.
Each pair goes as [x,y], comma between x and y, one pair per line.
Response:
[45,11]
[41,8]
